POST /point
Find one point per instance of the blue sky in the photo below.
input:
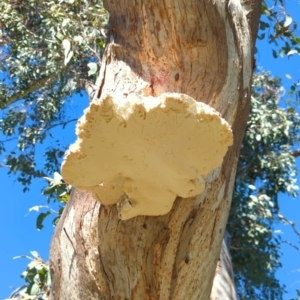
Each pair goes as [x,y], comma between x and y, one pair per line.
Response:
[17,226]
[289,274]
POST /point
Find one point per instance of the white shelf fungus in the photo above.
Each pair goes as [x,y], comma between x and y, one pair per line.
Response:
[142,152]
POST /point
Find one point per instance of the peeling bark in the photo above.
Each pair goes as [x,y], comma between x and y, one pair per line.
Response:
[199,48]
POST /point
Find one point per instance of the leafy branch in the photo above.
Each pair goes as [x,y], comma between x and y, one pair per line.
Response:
[24,93]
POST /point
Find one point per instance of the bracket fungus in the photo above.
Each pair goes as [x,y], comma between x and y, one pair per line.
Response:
[142,152]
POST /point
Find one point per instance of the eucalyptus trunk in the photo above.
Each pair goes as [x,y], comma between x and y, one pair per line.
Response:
[201,48]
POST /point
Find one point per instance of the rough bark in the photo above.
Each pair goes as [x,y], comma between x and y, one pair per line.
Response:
[223,284]
[200,48]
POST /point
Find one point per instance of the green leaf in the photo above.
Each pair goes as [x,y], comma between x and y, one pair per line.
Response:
[67,46]
[263,25]
[24,274]
[57,179]
[288,20]
[59,36]
[40,219]
[261,36]
[68,57]
[93,68]
[252,187]
[33,264]
[65,22]
[35,254]
[21,256]
[36,208]
[48,279]
[291,52]
[282,52]
[67,53]
[78,38]
[34,289]
[31,273]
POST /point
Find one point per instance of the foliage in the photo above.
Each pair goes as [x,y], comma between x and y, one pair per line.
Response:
[280,29]
[57,191]
[49,50]
[37,277]
[266,168]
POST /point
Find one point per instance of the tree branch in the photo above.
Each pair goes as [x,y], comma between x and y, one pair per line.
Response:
[292,245]
[59,124]
[292,223]
[296,153]
[19,95]
[4,166]
[88,86]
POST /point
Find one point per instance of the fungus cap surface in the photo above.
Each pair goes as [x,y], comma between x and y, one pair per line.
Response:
[143,152]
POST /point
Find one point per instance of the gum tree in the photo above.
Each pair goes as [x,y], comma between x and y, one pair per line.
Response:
[52,50]
[154,48]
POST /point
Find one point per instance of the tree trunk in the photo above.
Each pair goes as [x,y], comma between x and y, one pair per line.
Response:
[200,48]
[223,285]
